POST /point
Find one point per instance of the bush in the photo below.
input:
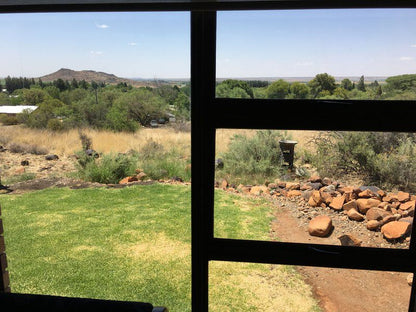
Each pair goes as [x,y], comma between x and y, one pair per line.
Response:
[55,124]
[8,120]
[251,159]
[27,148]
[111,168]
[384,159]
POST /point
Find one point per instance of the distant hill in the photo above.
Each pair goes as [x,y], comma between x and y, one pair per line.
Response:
[91,75]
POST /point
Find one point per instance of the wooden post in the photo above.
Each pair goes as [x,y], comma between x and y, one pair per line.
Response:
[4,280]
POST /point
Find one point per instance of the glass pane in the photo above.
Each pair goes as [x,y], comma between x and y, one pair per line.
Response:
[95,180]
[337,188]
[264,287]
[317,54]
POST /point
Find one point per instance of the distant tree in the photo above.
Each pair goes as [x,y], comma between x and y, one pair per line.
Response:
[74,83]
[258,83]
[299,90]
[278,89]
[322,82]
[347,84]
[341,93]
[168,93]
[361,84]
[402,82]
[374,84]
[183,106]
[233,83]
[52,91]
[34,96]
[379,91]
[83,84]
[60,84]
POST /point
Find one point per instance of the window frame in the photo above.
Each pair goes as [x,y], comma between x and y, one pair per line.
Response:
[311,115]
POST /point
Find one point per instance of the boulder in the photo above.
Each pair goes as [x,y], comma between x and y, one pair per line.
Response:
[315,179]
[395,229]
[388,218]
[293,193]
[259,189]
[305,187]
[355,215]
[403,196]
[292,186]
[366,194]
[352,204]
[320,226]
[381,193]
[349,240]
[326,197]
[408,220]
[366,203]
[128,180]
[337,202]
[373,225]
[407,205]
[376,214]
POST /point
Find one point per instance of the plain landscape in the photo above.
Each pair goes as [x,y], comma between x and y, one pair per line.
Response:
[97,178]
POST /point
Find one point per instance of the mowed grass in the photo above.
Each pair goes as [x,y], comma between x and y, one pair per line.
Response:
[134,244]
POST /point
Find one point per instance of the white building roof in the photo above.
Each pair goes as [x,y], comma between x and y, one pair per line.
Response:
[6,109]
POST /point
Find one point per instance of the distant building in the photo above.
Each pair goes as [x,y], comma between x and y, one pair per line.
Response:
[18,109]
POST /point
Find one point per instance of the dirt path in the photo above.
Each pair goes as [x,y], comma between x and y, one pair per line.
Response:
[341,290]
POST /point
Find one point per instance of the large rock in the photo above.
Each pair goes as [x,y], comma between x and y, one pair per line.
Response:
[315,179]
[364,204]
[408,205]
[320,226]
[293,193]
[376,214]
[292,186]
[349,240]
[403,196]
[352,204]
[355,215]
[326,197]
[373,225]
[128,180]
[366,194]
[395,229]
[337,202]
[315,200]
[259,189]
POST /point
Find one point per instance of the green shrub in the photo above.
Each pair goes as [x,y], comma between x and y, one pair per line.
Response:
[111,168]
[251,159]
[384,159]
[8,120]
[55,124]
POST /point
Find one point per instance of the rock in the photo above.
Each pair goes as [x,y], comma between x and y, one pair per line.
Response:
[328,189]
[409,279]
[127,180]
[51,157]
[366,194]
[381,193]
[259,189]
[408,205]
[326,197]
[366,203]
[176,179]
[24,163]
[403,196]
[315,179]
[20,170]
[372,188]
[355,215]
[272,186]
[337,202]
[352,204]
[384,205]
[349,240]
[408,220]
[395,229]
[280,184]
[389,198]
[320,226]
[224,184]
[141,176]
[92,153]
[305,187]
[373,225]
[293,193]
[376,214]
[326,181]
[306,195]
[388,218]
[292,186]
[219,163]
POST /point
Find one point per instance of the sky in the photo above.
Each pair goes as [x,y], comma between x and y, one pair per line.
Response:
[297,43]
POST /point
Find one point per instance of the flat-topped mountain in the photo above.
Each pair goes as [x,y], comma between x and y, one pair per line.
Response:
[90,75]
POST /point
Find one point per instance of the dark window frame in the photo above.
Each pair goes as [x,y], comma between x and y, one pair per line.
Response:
[235,113]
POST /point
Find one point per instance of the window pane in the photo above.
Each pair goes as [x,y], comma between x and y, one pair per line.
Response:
[317,54]
[337,188]
[96,177]
[263,287]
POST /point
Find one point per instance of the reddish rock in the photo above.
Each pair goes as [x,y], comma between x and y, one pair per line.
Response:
[292,186]
[376,214]
[315,179]
[395,229]
[128,180]
[403,196]
[346,189]
[365,194]
[373,225]
[395,204]
[320,226]
[389,198]
[366,203]
[224,184]
[388,218]
[323,205]
[407,205]
[259,189]
[293,193]
[141,176]
[326,197]
[280,184]
[381,193]
[384,205]
[349,240]
[306,187]
[352,204]
[355,215]
[407,219]
[412,197]
[337,202]
[315,199]
[272,186]
[20,170]
[326,181]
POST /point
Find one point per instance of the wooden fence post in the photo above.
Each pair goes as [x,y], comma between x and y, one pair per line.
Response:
[4,280]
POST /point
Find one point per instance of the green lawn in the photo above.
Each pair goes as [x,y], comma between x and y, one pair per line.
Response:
[134,244]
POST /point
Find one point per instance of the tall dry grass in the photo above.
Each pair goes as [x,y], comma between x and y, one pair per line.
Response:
[68,142]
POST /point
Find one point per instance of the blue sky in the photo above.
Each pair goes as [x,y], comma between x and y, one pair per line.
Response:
[250,44]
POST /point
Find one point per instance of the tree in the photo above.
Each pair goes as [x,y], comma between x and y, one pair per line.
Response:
[34,96]
[278,89]
[360,84]
[347,84]
[299,90]
[74,83]
[322,82]
[231,84]
[402,82]
[183,106]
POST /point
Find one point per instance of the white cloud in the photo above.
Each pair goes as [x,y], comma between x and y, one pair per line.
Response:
[132,43]
[406,58]
[413,46]
[103,26]
[96,52]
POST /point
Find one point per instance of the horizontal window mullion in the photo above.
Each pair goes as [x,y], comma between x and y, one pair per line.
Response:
[311,255]
[314,115]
